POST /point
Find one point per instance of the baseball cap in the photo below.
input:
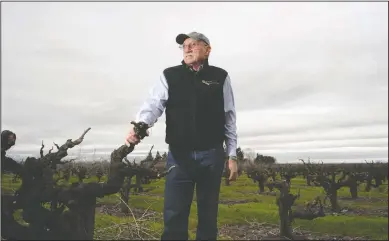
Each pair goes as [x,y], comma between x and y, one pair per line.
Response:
[194,35]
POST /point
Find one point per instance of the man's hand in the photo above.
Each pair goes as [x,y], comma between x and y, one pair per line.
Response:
[233,166]
[132,138]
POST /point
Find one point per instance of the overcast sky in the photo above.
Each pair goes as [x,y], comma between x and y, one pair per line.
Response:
[310,79]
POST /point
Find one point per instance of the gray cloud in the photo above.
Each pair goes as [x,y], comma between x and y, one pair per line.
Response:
[332,156]
[308,77]
[309,126]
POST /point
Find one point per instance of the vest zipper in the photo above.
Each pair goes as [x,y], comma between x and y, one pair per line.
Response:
[194,108]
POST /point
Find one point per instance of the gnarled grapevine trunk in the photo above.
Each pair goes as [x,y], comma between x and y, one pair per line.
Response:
[39,188]
[125,195]
[285,202]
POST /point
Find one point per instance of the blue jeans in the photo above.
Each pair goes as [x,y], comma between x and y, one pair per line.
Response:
[203,169]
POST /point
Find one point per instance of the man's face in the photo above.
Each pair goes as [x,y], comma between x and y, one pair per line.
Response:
[11,140]
[195,51]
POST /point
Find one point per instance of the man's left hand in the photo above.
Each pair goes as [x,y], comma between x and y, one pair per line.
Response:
[233,166]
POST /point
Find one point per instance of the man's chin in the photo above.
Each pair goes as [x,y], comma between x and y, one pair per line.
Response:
[189,62]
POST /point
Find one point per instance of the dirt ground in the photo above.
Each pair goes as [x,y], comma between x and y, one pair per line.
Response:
[258,231]
[114,210]
[247,231]
[345,210]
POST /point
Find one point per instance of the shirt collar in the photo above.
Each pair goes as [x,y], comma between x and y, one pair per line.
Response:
[205,64]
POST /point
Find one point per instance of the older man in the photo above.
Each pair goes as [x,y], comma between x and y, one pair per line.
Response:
[200,117]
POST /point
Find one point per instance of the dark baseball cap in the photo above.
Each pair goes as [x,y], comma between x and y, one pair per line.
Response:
[194,35]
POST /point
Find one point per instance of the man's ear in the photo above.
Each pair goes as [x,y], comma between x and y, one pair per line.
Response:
[208,51]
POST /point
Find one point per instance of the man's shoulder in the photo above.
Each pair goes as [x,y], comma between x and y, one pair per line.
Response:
[218,69]
[172,69]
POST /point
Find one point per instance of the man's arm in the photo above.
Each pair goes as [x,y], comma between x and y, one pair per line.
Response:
[230,114]
[155,104]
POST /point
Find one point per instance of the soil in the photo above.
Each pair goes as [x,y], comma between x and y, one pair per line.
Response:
[351,211]
[258,231]
[267,192]
[248,231]
[376,212]
[225,202]
[364,199]
[358,211]
[147,194]
[232,202]
[345,209]
[137,213]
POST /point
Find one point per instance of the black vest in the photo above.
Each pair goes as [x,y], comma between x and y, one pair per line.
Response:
[195,115]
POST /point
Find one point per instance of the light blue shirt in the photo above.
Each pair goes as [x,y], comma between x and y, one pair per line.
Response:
[155,105]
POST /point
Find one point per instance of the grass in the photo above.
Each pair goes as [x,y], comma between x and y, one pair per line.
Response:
[261,208]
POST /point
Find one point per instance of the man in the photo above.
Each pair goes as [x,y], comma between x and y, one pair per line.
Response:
[200,116]
[8,140]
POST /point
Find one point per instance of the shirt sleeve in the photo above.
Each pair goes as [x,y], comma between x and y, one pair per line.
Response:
[230,114]
[155,104]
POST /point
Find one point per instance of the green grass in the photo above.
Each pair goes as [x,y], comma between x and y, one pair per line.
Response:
[261,208]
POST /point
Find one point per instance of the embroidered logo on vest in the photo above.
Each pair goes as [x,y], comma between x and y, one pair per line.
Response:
[210,82]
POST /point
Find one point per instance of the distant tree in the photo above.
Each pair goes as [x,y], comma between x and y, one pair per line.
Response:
[249,154]
[99,173]
[157,157]
[149,157]
[261,159]
[240,160]
[164,157]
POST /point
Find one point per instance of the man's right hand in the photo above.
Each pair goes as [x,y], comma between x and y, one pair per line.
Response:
[132,138]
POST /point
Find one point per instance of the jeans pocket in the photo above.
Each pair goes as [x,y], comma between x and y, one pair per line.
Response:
[213,157]
[170,161]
